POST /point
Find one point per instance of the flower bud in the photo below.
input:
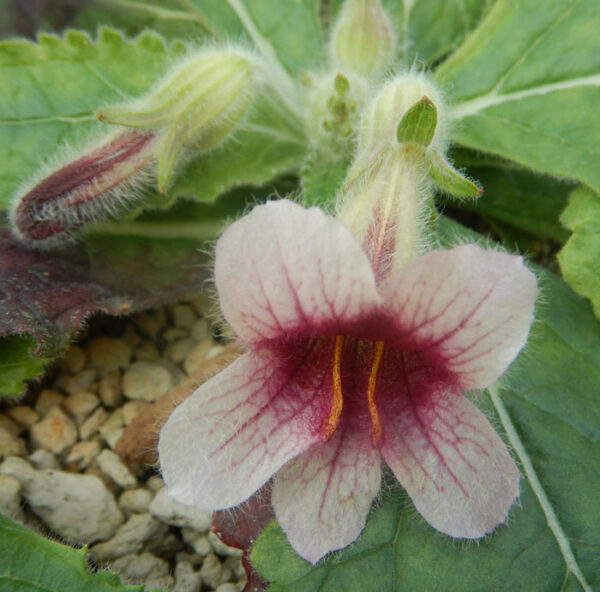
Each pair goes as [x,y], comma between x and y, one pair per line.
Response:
[362,40]
[89,186]
[196,105]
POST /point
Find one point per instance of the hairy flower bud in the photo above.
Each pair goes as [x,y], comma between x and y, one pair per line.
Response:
[196,105]
[91,185]
[362,40]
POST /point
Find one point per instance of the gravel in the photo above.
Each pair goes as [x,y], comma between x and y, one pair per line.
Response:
[58,464]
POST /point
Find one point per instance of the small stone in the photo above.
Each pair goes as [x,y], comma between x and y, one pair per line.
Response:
[107,354]
[111,465]
[235,565]
[47,399]
[198,542]
[130,335]
[13,428]
[138,567]
[211,571]
[10,498]
[171,512]
[173,334]
[75,383]
[147,352]
[11,445]
[24,415]
[200,330]
[183,316]
[165,544]
[149,324]
[93,423]
[112,429]
[228,587]
[177,351]
[135,501]
[73,361]
[197,356]
[186,579]
[147,381]
[153,582]
[109,389]
[80,405]
[132,409]
[130,537]
[221,548]
[155,483]
[83,453]
[55,433]
[78,508]
[42,459]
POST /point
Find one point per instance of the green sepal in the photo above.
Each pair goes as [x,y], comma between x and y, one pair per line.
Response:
[418,124]
[450,180]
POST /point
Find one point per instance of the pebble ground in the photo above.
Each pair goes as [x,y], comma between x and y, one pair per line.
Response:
[60,475]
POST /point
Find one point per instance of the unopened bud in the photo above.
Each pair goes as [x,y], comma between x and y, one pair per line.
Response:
[196,105]
[362,40]
[90,186]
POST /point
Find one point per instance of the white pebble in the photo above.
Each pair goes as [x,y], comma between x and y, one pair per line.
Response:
[10,498]
[107,354]
[11,445]
[211,571]
[47,399]
[42,459]
[93,423]
[138,567]
[55,433]
[130,537]
[78,508]
[83,453]
[221,548]
[186,579]
[147,381]
[135,501]
[112,466]
[80,405]
[24,416]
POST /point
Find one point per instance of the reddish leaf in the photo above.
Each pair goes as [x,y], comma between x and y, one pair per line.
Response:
[240,526]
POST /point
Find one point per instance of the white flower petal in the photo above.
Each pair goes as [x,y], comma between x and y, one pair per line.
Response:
[322,498]
[226,440]
[468,307]
[452,463]
[283,269]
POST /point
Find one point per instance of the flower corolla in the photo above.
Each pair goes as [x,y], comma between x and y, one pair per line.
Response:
[345,371]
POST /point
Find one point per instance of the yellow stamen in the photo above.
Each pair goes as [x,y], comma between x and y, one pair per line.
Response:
[336,405]
[371,392]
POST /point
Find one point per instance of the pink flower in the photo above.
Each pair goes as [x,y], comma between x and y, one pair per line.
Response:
[342,372]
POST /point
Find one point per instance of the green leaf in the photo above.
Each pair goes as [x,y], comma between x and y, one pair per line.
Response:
[526,86]
[17,364]
[524,200]
[322,178]
[450,180]
[287,32]
[580,258]
[547,408]
[167,17]
[51,90]
[31,563]
[418,123]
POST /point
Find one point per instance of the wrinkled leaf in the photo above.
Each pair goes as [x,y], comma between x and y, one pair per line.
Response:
[52,89]
[290,32]
[527,201]
[167,17]
[548,410]
[580,257]
[31,563]
[48,296]
[526,86]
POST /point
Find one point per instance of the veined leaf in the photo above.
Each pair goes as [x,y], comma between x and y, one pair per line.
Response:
[526,85]
[580,257]
[31,563]
[51,90]
[548,410]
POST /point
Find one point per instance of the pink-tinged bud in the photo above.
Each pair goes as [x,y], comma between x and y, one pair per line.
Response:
[362,41]
[88,188]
